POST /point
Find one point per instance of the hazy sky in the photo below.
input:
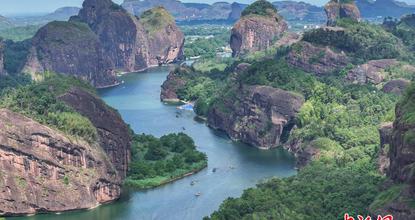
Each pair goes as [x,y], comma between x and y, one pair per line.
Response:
[9,7]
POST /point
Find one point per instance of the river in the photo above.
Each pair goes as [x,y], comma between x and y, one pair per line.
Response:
[238,166]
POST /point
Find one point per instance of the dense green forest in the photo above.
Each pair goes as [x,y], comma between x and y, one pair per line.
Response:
[338,118]
[156,161]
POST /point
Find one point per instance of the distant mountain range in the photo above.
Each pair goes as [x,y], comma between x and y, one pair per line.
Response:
[223,11]
[384,8]
[291,10]
[5,22]
[61,14]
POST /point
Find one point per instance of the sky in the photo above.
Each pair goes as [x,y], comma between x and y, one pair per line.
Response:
[15,7]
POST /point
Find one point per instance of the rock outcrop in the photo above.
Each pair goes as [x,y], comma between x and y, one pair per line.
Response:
[371,72]
[403,140]
[164,37]
[258,115]
[70,48]
[257,30]
[402,162]
[173,84]
[315,59]
[337,9]
[113,133]
[42,170]
[103,39]
[396,86]
[385,133]
[122,37]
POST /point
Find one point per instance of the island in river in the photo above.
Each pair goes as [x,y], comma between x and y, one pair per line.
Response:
[238,166]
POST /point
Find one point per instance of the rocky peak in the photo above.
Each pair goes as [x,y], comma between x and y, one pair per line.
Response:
[337,9]
[94,11]
[105,38]
[258,28]
[70,48]
[165,39]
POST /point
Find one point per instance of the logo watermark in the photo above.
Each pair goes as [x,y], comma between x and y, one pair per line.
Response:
[359,217]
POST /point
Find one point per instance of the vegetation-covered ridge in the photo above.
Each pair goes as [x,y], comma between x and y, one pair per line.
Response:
[260,7]
[362,41]
[338,122]
[157,161]
[40,101]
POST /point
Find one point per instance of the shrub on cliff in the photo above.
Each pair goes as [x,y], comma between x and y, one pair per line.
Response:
[260,7]
[156,19]
[40,102]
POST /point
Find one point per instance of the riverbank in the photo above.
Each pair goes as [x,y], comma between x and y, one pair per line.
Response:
[157,181]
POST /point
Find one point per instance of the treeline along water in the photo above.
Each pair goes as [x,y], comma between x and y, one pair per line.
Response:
[237,166]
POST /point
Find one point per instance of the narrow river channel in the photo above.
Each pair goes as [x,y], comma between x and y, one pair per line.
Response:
[238,166]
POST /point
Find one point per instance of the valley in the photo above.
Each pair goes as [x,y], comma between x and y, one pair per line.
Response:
[172,110]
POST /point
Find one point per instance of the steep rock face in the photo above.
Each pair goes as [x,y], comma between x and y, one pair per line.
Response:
[317,60]
[255,32]
[336,9]
[2,71]
[396,86]
[403,139]
[70,48]
[371,72]
[385,133]
[173,83]
[258,115]
[42,170]
[122,36]
[165,38]
[114,135]
[402,161]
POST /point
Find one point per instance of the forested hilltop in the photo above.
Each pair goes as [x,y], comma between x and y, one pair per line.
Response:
[328,97]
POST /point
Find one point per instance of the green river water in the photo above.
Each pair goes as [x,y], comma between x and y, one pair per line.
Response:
[238,166]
